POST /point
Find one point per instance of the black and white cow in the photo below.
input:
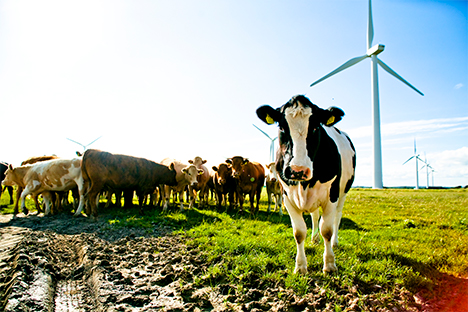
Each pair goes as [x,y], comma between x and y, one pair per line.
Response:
[316,164]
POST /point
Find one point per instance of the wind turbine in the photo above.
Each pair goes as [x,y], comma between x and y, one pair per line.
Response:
[427,166]
[372,52]
[416,157]
[84,146]
[272,145]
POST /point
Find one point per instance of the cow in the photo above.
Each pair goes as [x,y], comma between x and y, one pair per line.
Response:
[186,176]
[273,188]
[20,188]
[224,184]
[55,175]
[316,165]
[250,177]
[3,168]
[103,171]
[202,179]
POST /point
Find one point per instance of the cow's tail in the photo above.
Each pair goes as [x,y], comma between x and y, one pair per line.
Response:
[86,180]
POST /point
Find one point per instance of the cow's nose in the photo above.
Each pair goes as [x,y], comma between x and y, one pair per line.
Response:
[298,173]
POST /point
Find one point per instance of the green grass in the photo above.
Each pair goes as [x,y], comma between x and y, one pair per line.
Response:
[390,241]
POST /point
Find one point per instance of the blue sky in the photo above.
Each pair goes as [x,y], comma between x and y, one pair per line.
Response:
[182,79]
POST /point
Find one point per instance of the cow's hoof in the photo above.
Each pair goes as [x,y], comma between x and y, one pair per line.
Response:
[329,268]
[300,270]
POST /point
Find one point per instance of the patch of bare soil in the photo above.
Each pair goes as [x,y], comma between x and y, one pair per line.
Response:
[62,263]
[449,295]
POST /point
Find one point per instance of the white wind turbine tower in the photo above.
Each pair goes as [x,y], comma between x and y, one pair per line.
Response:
[272,145]
[428,166]
[416,158]
[372,52]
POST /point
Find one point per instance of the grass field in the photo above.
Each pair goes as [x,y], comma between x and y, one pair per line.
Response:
[392,244]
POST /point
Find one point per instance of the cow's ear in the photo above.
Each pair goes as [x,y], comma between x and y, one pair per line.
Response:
[172,166]
[190,161]
[214,168]
[10,166]
[184,170]
[331,116]
[204,162]
[268,114]
[200,172]
[229,161]
[246,161]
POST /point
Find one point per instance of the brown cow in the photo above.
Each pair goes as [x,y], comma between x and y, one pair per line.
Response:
[250,177]
[103,170]
[224,184]
[201,187]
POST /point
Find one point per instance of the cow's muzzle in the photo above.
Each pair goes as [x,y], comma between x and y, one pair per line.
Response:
[298,173]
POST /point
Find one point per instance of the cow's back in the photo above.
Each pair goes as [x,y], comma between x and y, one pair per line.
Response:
[114,170]
[347,155]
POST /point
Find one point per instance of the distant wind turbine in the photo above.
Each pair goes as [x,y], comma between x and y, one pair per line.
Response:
[84,146]
[416,157]
[428,166]
[372,52]
[272,145]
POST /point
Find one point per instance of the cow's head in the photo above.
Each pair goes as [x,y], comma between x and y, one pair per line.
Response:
[197,161]
[272,174]
[190,174]
[224,172]
[237,163]
[300,126]
[9,179]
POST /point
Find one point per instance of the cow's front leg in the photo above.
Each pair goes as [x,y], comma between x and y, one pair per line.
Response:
[327,230]
[240,197]
[166,195]
[269,202]
[181,200]
[279,202]
[300,234]
[48,202]
[25,193]
[315,226]
[192,196]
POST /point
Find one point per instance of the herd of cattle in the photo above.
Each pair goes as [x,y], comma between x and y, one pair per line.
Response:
[97,172]
[314,168]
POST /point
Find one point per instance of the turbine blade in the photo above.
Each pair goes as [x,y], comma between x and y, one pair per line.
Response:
[349,63]
[75,142]
[370,28]
[262,131]
[408,159]
[393,73]
[94,141]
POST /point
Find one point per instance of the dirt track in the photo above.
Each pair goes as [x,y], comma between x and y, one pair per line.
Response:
[62,263]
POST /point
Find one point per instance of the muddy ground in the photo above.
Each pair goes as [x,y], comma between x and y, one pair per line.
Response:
[62,263]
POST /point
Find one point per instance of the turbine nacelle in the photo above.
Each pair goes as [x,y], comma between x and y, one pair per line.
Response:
[375,50]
